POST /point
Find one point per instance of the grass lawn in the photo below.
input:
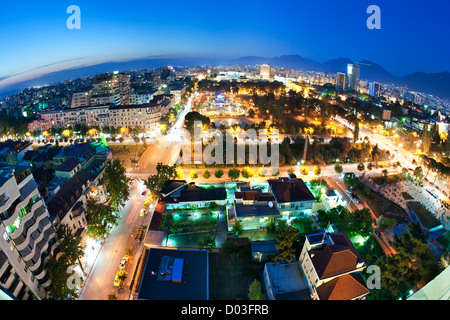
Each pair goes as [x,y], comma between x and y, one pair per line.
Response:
[394,178]
[380,205]
[187,240]
[407,196]
[257,235]
[127,150]
[231,275]
[427,219]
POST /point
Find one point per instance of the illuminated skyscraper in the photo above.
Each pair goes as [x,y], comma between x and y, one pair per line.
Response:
[265,72]
[374,89]
[353,76]
[341,81]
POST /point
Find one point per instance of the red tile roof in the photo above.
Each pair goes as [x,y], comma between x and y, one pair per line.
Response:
[346,287]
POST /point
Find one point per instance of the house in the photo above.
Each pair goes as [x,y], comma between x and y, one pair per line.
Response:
[331,267]
[68,168]
[175,274]
[178,195]
[252,208]
[292,196]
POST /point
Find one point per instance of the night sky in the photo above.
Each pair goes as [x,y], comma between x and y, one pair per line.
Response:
[34,39]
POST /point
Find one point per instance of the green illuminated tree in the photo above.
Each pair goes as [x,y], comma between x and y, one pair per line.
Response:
[100,218]
[116,184]
[255,291]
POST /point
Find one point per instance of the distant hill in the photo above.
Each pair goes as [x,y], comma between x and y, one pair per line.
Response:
[437,84]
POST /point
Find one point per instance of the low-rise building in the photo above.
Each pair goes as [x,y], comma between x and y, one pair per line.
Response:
[292,197]
[171,274]
[178,194]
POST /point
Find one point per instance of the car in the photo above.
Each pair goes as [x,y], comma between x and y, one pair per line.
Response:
[117,280]
[144,192]
[123,263]
[142,213]
[377,233]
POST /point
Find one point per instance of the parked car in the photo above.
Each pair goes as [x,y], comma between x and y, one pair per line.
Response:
[117,280]
[378,233]
[123,263]
[142,213]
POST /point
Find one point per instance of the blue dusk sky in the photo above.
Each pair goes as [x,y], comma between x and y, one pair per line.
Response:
[34,39]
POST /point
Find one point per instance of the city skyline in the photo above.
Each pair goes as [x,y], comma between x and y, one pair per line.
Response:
[112,32]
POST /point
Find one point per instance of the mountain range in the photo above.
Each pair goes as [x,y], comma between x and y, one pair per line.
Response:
[437,84]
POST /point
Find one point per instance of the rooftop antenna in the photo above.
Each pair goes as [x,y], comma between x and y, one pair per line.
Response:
[325,233]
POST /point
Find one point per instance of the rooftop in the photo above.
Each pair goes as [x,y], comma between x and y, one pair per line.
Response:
[287,281]
[191,272]
[287,190]
[337,258]
[191,192]
[68,165]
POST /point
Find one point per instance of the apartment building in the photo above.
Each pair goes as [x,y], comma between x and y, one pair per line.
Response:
[146,116]
[332,267]
[28,237]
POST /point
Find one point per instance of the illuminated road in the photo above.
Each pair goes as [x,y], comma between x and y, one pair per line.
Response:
[100,281]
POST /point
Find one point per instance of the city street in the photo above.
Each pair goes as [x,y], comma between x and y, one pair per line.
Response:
[100,279]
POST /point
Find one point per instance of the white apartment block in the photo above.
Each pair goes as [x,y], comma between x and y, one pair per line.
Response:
[146,116]
[28,237]
[81,99]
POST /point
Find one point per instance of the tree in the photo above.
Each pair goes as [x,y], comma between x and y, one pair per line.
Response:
[385,223]
[317,170]
[100,219]
[117,184]
[60,278]
[361,167]
[179,174]
[111,297]
[193,175]
[338,168]
[207,242]
[418,173]
[247,172]
[304,225]
[206,174]
[218,173]
[70,246]
[129,253]
[304,171]
[255,291]
[234,173]
[163,174]
[286,236]
[237,228]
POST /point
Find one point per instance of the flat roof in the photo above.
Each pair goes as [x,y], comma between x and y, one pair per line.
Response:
[194,284]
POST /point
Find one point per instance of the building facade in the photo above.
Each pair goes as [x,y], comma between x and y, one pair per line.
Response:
[28,237]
